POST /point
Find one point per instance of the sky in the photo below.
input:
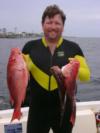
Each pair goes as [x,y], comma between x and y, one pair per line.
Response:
[83,16]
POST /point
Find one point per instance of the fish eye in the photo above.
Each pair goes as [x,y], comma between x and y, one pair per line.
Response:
[19,52]
[13,59]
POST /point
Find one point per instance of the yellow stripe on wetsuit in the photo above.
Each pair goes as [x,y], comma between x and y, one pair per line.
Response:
[41,78]
[84,72]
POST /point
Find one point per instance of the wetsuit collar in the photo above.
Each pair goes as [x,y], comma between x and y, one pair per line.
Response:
[59,42]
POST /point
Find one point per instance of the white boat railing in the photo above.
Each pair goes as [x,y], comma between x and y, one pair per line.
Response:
[85,119]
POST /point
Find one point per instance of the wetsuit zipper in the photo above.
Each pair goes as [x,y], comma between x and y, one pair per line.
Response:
[51,63]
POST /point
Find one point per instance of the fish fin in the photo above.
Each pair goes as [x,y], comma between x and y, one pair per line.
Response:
[16,115]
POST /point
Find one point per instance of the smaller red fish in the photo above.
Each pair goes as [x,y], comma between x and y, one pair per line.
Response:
[66,78]
[17,79]
[70,72]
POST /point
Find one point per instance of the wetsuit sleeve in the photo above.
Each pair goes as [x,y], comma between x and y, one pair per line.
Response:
[26,52]
[84,71]
[28,61]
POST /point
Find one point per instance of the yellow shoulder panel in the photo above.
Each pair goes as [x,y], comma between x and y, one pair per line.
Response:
[84,71]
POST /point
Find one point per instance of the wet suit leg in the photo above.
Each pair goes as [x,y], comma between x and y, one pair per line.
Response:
[44,113]
[38,112]
[37,125]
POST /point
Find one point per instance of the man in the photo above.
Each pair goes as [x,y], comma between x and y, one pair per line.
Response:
[40,55]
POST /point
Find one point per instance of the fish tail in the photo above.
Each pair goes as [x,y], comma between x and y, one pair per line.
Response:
[16,115]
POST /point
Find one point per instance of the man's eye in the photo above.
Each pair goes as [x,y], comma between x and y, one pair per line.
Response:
[57,23]
[48,22]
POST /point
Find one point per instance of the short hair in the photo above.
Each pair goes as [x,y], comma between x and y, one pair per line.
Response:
[51,11]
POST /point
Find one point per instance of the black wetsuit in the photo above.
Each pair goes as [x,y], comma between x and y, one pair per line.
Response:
[44,111]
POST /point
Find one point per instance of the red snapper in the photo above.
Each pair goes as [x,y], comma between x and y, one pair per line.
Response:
[66,79]
[17,79]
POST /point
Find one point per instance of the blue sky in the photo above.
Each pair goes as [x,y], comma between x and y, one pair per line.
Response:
[83,17]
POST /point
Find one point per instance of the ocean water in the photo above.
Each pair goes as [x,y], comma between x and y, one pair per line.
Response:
[89,91]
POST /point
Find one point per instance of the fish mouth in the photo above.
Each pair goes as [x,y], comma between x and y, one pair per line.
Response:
[15,51]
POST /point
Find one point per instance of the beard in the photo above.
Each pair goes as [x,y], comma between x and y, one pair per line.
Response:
[52,35]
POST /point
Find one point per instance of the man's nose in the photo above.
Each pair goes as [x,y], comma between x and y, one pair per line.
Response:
[53,25]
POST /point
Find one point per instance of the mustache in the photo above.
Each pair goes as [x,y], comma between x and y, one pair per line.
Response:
[53,30]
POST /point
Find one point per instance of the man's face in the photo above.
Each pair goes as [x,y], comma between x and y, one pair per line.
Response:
[53,27]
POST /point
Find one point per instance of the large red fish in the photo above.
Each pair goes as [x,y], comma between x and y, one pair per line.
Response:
[17,79]
[66,78]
